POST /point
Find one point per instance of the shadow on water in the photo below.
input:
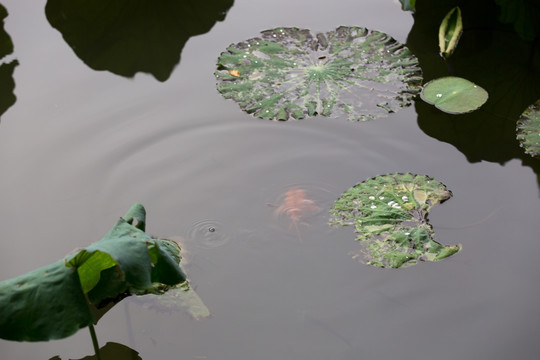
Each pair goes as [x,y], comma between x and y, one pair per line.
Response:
[111,351]
[127,37]
[7,84]
[492,55]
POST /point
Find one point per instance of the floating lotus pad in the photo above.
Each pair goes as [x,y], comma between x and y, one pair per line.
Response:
[291,73]
[454,95]
[528,130]
[389,213]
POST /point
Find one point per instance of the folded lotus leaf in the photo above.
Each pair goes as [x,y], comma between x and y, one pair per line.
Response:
[55,301]
[389,213]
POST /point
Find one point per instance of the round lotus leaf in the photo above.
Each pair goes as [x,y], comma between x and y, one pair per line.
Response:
[454,95]
[389,213]
[528,130]
[291,73]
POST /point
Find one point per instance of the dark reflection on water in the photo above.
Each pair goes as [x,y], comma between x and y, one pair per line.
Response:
[491,55]
[7,84]
[111,351]
[126,37]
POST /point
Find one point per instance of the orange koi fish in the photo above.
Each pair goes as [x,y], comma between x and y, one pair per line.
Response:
[296,206]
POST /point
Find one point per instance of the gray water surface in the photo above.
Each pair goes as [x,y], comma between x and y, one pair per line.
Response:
[80,146]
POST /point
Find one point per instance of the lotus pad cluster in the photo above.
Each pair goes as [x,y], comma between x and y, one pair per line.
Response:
[389,213]
[528,130]
[291,73]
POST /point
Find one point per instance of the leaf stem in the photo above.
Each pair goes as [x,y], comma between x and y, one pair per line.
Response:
[94,341]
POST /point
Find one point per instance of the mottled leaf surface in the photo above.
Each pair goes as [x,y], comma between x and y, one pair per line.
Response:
[291,73]
[389,213]
[528,130]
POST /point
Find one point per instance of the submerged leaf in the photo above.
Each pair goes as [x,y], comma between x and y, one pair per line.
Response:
[389,213]
[450,32]
[454,95]
[291,73]
[528,130]
[177,298]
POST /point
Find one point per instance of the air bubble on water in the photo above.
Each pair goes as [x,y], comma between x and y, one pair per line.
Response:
[391,203]
[407,233]
[274,35]
[372,198]
[381,197]
[404,198]
[373,206]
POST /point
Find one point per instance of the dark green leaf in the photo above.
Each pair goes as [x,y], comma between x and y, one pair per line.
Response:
[44,304]
[55,301]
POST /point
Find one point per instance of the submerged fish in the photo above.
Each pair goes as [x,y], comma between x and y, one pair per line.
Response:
[296,206]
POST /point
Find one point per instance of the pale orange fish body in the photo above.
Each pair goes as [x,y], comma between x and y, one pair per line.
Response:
[296,206]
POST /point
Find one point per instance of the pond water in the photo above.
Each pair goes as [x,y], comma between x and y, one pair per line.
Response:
[80,146]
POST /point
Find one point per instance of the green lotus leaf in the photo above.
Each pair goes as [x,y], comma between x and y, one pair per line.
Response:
[450,31]
[454,95]
[389,213]
[528,130]
[55,301]
[291,73]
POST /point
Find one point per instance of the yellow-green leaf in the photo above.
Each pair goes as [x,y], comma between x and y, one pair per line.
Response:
[450,32]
